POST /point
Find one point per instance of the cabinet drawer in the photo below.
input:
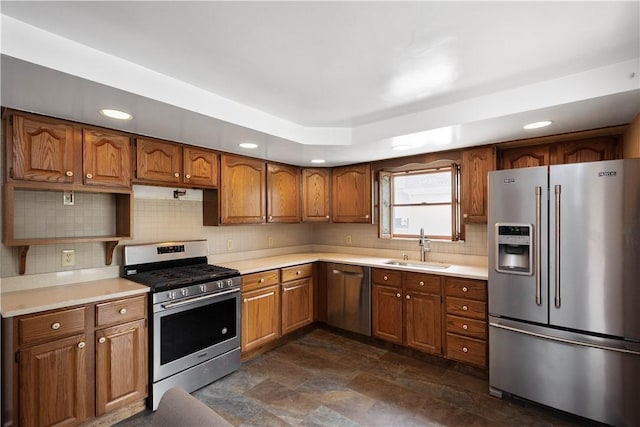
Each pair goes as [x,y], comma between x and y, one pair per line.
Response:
[259,280]
[387,277]
[428,283]
[467,350]
[47,327]
[468,327]
[121,311]
[297,272]
[465,288]
[467,308]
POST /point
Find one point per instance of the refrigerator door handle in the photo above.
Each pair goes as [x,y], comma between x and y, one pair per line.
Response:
[537,246]
[557,244]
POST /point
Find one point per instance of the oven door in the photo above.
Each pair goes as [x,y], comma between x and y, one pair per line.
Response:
[189,332]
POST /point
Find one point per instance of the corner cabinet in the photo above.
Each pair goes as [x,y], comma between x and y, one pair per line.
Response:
[351,191]
[242,190]
[316,195]
[476,165]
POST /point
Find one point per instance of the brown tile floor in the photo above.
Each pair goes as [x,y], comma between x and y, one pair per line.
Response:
[324,379]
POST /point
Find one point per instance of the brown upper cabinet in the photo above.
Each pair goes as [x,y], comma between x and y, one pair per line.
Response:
[242,190]
[581,150]
[351,191]
[161,162]
[107,158]
[46,150]
[476,165]
[316,195]
[283,193]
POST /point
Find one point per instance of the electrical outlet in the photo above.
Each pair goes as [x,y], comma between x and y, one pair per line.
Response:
[229,244]
[270,241]
[348,239]
[68,257]
[67,198]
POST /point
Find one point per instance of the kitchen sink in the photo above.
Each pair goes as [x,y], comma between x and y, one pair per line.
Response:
[416,264]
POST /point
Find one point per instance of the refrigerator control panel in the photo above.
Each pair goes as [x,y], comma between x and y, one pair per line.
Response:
[514,248]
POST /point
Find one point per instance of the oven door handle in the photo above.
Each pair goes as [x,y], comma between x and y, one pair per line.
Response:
[198,299]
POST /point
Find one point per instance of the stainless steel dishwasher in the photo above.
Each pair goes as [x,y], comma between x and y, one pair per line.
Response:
[349,297]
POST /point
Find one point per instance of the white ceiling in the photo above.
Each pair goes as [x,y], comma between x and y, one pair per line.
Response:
[343,81]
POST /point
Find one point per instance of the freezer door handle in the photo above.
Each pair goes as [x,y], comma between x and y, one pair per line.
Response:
[564,340]
[537,246]
[557,246]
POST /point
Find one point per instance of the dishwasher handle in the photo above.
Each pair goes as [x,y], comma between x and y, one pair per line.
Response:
[347,273]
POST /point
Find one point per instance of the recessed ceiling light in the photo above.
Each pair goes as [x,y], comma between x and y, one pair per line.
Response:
[537,125]
[116,114]
[317,161]
[248,145]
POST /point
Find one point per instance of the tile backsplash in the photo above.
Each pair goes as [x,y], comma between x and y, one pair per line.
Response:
[159,217]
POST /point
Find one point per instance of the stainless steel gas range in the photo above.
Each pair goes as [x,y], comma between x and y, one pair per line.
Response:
[194,334]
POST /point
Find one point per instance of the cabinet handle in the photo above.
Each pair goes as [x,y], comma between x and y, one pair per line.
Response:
[102,340]
[69,173]
[261,280]
[367,216]
[327,217]
[465,308]
[465,215]
[55,326]
[123,311]
[270,217]
[464,289]
[398,295]
[385,278]
[298,272]
[187,176]
[245,300]
[177,175]
[421,283]
[89,176]
[465,350]
[465,327]
[408,297]
[81,345]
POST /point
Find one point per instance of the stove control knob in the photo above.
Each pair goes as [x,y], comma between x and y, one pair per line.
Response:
[171,294]
[229,282]
[203,288]
[220,285]
[184,292]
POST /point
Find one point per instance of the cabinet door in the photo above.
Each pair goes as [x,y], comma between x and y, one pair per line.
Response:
[297,304]
[260,317]
[121,365]
[243,190]
[351,191]
[44,150]
[525,157]
[107,159]
[200,167]
[316,195]
[423,322]
[158,161]
[283,193]
[387,313]
[588,150]
[53,383]
[476,165]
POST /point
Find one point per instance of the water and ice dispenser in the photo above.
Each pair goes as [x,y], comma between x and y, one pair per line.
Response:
[514,251]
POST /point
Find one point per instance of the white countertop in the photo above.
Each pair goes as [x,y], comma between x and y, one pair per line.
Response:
[40,299]
[280,261]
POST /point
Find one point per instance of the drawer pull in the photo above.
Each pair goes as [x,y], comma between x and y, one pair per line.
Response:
[81,345]
[398,295]
[69,173]
[102,340]
[465,308]
[421,283]
[465,350]
[123,311]
[55,326]
[298,272]
[465,327]
[385,278]
[261,280]
[464,289]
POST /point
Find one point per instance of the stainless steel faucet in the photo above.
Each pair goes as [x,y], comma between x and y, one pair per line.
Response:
[425,245]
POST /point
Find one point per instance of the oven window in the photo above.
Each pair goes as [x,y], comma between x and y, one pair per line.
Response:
[190,331]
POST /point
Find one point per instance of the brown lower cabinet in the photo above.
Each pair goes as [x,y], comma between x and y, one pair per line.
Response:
[406,309]
[66,371]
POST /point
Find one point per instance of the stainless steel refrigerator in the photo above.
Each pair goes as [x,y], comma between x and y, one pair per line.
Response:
[564,287]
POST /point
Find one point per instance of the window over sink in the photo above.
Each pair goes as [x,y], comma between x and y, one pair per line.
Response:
[420,196]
